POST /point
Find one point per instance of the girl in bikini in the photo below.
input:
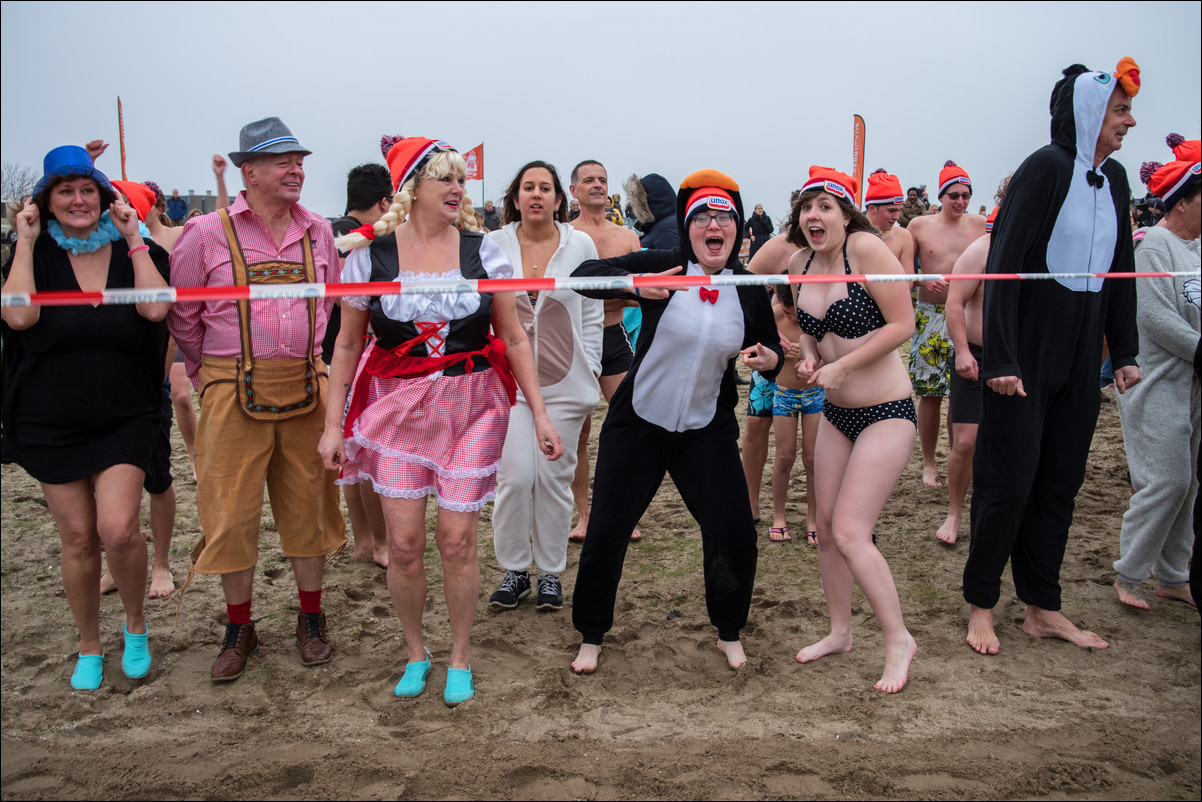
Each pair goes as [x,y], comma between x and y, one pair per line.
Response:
[851,333]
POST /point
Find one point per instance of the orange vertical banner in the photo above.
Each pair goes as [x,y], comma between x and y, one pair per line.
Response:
[475,163]
[121,136]
[857,155]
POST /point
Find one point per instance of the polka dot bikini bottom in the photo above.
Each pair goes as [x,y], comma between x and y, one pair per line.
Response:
[852,421]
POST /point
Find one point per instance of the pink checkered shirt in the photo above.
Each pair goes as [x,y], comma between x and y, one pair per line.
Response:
[279,329]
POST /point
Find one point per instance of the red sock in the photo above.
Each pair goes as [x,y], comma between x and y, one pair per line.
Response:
[238,613]
[310,600]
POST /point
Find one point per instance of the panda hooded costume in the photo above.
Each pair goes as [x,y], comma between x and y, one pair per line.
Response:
[1061,215]
[674,413]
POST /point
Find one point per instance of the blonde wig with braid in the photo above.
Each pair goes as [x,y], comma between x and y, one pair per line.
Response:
[439,166]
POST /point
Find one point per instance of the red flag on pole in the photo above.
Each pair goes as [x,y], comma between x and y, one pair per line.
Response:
[475,163]
[121,136]
[857,155]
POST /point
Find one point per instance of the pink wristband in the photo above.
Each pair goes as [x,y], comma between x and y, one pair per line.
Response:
[132,251]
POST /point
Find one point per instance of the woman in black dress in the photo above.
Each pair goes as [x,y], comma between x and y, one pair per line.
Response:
[81,390]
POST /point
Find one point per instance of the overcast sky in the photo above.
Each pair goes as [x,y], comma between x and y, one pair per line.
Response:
[758,90]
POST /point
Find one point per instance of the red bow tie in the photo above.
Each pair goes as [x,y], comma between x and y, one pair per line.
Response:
[710,295]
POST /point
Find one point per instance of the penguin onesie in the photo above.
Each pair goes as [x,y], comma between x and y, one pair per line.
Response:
[674,413]
[1061,215]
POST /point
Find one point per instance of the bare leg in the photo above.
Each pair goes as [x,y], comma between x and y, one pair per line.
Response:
[928,436]
[809,436]
[733,649]
[981,636]
[406,519]
[755,454]
[784,431]
[185,413]
[456,538]
[587,659]
[238,587]
[1042,623]
[580,482]
[864,476]
[1180,593]
[959,477]
[74,509]
[162,526]
[368,528]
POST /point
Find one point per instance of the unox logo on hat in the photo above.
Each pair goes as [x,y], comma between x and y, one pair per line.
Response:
[719,203]
[1194,169]
[835,189]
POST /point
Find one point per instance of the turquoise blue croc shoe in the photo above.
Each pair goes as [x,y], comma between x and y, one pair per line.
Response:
[413,681]
[135,662]
[89,672]
[459,686]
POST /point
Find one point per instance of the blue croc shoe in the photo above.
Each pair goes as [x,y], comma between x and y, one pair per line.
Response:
[413,681]
[459,686]
[136,660]
[89,672]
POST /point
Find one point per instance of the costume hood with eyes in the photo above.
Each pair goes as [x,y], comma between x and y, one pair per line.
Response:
[1064,216]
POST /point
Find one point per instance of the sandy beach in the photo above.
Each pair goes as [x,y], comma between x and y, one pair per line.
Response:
[663,718]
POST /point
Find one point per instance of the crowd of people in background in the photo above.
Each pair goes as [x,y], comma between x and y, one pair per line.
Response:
[478,398]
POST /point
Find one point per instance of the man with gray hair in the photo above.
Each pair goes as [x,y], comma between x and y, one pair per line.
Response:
[259,370]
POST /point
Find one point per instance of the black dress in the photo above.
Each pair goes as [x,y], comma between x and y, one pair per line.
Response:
[82,386]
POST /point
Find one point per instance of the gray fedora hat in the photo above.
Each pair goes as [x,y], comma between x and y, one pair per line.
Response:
[261,137]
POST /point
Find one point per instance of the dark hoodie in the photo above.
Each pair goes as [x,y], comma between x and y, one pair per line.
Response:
[1055,221]
[653,201]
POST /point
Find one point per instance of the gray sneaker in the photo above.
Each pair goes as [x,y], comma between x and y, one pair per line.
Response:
[514,587]
[550,592]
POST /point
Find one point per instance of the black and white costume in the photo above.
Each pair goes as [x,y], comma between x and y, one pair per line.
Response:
[674,413]
[1060,216]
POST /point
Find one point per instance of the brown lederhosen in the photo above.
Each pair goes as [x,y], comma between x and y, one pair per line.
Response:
[260,422]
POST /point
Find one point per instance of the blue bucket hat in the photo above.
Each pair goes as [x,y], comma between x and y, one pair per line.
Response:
[69,160]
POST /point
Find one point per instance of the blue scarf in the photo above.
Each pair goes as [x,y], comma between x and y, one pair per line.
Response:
[105,233]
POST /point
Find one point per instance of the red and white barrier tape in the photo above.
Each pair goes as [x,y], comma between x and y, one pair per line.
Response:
[426,287]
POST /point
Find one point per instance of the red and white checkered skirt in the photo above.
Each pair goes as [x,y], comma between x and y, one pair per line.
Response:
[430,435]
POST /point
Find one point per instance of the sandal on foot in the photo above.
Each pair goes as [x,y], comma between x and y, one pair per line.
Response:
[413,681]
[812,538]
[779,534]
[89,672]
[459,686]
[135,662]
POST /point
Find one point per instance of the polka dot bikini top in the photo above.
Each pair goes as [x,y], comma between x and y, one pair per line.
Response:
[850,317]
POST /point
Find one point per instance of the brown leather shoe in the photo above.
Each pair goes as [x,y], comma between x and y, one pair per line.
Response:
[315,647]
[240,643]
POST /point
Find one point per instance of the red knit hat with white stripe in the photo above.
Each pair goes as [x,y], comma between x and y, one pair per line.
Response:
[883,189]
[952,174]
[406,155]
[830,180]
[713,198]
[1173,181]
[989,220]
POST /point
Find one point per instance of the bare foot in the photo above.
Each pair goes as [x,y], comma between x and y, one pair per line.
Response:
[930,476]
[733,649]
[636,535]
[587,659]
[1132,595]
[831,644]
[107,583]
[980,630]
[1181,594]
[162,584]
[949,531]
[577,533]
[1042,623]
[897,666]
[380,555]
